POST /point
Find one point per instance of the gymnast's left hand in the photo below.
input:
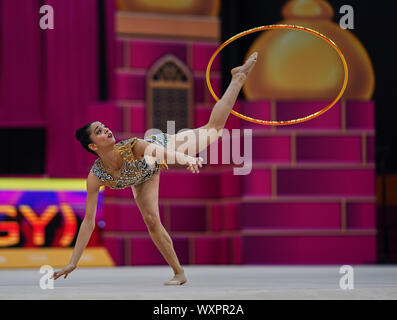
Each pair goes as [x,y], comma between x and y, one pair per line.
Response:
[65,271]
[194,164]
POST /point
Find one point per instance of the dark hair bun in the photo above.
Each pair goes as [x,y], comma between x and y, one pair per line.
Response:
[83,136]
[79,134]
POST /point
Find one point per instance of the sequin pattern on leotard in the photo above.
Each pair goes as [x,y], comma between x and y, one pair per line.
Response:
[134,171]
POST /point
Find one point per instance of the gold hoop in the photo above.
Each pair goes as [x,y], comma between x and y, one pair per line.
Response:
[280,26]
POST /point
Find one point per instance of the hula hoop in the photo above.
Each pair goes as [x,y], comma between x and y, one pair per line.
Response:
[280,26]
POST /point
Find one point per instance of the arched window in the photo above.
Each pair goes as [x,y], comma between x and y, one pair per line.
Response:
[169,95]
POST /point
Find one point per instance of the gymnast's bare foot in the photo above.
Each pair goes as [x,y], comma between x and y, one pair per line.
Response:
[239,74]
[178,279]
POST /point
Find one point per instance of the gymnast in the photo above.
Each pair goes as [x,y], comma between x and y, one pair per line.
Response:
[135,162]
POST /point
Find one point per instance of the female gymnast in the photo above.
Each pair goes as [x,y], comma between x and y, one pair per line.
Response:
[126,163]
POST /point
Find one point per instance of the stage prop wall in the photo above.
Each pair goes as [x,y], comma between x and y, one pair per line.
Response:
[309,199]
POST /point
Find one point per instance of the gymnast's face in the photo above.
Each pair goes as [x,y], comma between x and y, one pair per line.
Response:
[101,136]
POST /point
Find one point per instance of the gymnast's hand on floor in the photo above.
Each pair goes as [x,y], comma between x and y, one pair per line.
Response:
[194,163]
[65,271]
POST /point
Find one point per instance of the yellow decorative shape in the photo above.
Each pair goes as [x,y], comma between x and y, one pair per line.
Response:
[179,7]
[49,184]
[281,26]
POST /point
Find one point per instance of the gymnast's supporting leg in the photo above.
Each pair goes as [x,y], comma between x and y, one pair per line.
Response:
[146,197]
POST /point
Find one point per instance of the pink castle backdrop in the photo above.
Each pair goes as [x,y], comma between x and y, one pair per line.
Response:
[302,203]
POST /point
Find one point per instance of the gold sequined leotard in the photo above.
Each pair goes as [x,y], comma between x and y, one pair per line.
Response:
[134,171]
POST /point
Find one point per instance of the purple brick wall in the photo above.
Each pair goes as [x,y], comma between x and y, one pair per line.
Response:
[119,56]
[328,149]
[290,215]
[370,149]
[125,217]
[130,86]
[188,217]
[360,216]
[271,149]
[260,110]
[115,247]
[143,53]
[360,115]
[288,110]
[217,250]
[108,113]
[257,183]
[332,249]
[144,252]
[211,216]
[199,89]
[201,54]
[335,182]
[225,217]
[204,185]
[137,118]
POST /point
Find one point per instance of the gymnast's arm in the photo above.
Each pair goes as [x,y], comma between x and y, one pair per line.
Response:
[143,148]
[87,226]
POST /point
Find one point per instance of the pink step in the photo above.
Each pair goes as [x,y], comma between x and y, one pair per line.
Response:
[115,247]
[216,83]
[349,249]
[108,113]
[199,89]
[125,217]
[341,182]
[177,184]
[143,53]
[361,215]
[257,183]
[225,217]
[201,55]
[130,86]
[137,118]
[144,252]
[217,250]
[230,184]
[110,216]
[288,110]
[188,217]
[300,215]
[119,56]
[173,185]
[234,122]
[260,110]
[203,185]
[271,149]
[370,149]
[328,149]
[360,115]
[201,115]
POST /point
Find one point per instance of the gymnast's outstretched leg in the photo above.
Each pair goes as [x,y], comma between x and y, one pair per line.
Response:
[210,132]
